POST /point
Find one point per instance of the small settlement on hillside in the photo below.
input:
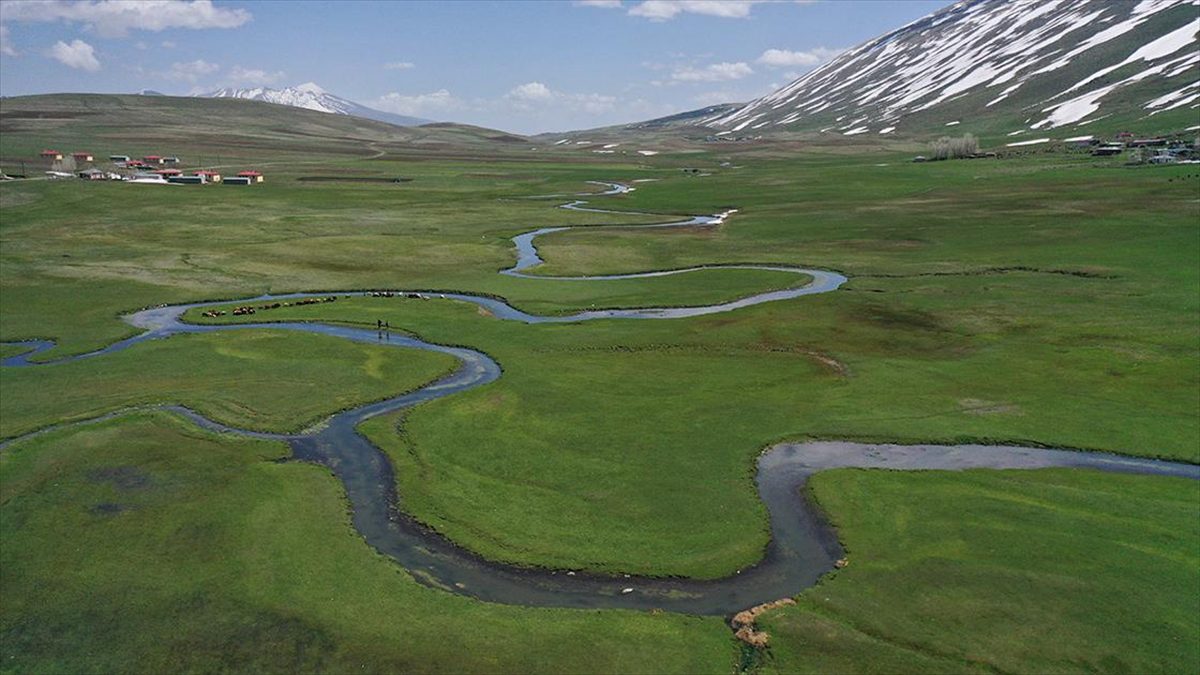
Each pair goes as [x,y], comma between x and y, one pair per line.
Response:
[149,169]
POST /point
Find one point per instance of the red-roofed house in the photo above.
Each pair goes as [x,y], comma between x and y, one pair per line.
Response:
[82,156]
[210,176]
[252,175]
[168,172]
[152,159]
[51,154]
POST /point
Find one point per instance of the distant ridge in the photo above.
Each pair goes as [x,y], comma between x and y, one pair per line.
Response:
[1012,66]
[191,125]
[312,97]
[690,117]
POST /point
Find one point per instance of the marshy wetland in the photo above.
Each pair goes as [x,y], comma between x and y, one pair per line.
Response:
[602,446]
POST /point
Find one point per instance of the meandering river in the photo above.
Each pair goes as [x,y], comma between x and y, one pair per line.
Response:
[803,546]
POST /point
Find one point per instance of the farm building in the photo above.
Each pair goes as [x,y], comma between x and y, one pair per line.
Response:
[148,177]
[152,159]
[118,158]
[254,176]
[52,154]
[167,173]
[92,174]
[238,180]
[82,156]
[210,176]
[170,160]
[187,180]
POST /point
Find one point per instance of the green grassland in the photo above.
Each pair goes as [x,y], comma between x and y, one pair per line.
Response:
[986,571]
[264,380]
[1049,299]
[982,571]
[144,544]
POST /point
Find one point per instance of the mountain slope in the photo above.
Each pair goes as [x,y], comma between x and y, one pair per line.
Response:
[312,97]
[189,127]
[1003,65]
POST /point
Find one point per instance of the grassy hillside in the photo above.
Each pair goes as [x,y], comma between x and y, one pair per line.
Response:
[215,129]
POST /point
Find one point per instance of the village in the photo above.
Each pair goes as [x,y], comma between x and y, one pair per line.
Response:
[150,169]
[1175,149]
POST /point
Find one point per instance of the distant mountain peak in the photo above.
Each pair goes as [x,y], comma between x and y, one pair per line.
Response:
[311,88]
[311,96]
[1029,64]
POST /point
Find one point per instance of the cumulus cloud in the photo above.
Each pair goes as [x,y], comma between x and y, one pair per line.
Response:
[77,54]
[530,94]
[115,18]
[716,72]
[662,10]
[785,58]
[253,76]
[531,91]
[6,47]
[590,103]
[423,105]
[191,70]
[399,65]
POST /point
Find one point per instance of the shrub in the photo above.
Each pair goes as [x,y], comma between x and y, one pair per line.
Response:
[955,148]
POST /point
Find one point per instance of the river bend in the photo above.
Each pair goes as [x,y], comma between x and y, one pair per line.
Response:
[802,548]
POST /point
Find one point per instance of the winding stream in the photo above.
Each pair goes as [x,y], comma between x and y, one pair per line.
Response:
[802,548]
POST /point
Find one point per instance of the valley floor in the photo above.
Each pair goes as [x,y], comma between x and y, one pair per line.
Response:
[1048,301]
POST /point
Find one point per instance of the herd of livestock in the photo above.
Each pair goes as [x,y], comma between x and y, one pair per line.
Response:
[243,310]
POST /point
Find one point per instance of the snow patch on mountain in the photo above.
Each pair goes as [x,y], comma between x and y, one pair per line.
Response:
[1010,47]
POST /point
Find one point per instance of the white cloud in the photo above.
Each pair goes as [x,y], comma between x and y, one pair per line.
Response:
[785,58]
[6,47]
[399,65]
[192,70]
[77,54]
[662,10]
[253,76]
[419,104]
[525,96]
[167,44]
[603,4]
[531,91]
[590,103]
[115,18]
[716,72]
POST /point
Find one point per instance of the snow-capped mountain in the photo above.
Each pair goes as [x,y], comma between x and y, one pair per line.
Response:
[313,97]
[1008,65]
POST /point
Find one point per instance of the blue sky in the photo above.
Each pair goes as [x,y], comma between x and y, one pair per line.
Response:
[526,67]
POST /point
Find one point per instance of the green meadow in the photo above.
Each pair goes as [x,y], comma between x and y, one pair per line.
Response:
[1048,300]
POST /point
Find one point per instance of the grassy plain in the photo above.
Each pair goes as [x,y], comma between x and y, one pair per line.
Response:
[1049,300]
[1001,571]
[251,379]
[144,544]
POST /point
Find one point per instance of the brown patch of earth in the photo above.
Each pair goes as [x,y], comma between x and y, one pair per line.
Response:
[974,406]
